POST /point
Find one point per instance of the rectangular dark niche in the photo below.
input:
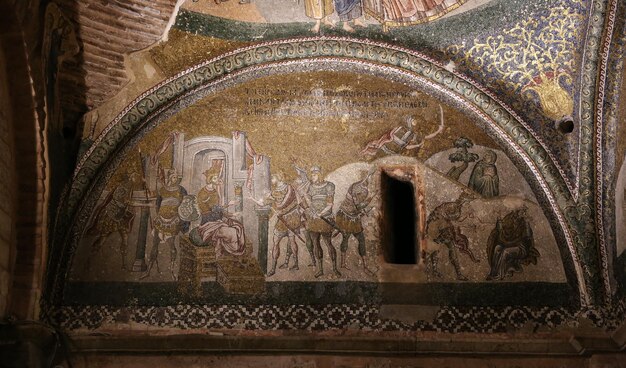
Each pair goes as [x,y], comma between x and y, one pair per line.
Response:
[399,221]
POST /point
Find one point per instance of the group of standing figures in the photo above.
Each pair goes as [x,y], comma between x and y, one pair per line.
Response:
[397,12]
[172,214]
[304,215]
[306,206]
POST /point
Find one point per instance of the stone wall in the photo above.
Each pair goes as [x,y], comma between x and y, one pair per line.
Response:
[22,85]
[7,190]
[315,361]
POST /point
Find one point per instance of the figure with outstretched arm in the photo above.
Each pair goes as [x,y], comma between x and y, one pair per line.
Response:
[113,216]
[348,219]
[403,139]
[443,228]
[284,201]
[167,225]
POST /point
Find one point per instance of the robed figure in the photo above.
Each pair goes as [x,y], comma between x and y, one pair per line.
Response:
[224,232]
[319,10]
[403,10]
[349,11]
[484,178]
[511,245]
[408,12]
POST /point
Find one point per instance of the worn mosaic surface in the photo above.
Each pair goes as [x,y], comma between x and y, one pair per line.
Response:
[259,177]
[277,182]
[519,49]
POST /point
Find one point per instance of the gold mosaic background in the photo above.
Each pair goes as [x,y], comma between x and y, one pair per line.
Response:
[315,140]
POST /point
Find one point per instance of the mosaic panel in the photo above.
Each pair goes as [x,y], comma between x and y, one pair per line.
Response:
[259,205]
[270,190]
[469,161]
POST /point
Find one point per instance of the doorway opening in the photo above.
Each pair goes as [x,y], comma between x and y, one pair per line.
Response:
[399,220]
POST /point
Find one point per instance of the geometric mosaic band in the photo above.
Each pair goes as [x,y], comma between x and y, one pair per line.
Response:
[332,316]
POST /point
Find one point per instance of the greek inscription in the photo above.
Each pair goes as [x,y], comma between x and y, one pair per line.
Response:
[328,103]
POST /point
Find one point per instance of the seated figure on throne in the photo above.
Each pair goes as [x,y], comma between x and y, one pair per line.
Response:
[211,194]
[217,227]
[220,230]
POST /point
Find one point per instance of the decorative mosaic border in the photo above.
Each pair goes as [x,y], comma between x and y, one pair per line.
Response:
[589,203]
[133,118]
[607,11]
[364,317]
[610,169]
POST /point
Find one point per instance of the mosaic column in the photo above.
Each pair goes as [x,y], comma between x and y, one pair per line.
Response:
[144,218]
[263,213]
[239,196]
[142,200]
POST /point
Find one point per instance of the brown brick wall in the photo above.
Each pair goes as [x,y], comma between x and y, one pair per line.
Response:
[95,74]
[106,31]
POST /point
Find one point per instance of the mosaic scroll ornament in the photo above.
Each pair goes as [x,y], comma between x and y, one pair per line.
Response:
[535,57]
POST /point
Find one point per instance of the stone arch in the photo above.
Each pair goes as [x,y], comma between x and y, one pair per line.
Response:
[160,102]
[24,163]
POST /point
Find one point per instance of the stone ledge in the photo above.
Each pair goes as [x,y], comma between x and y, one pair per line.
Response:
[208,343]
